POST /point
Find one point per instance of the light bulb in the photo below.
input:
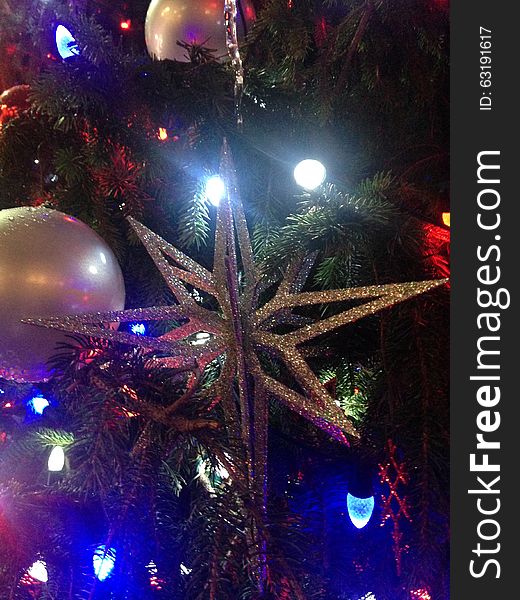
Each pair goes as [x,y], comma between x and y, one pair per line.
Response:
[201,338]
[420,594]
[103,562]
[138,328]
[215,189]
[56,459]
[162,134]
[222,472]
[360,510]
[38,571]
[65,43]
[152,568]
[309,174]
[38,404]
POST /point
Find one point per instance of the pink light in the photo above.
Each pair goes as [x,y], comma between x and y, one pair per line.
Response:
[420,594]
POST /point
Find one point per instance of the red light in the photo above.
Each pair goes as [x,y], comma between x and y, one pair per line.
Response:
[446,218]
[126,24]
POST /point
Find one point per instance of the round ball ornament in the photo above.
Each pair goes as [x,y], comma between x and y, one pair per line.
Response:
[50,264]
[196,22]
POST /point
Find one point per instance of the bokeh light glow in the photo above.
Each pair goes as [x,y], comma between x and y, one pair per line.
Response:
[215,189]
[310,174]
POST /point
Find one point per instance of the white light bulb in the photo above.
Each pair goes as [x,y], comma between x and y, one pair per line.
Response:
[65,43]
[201,338]
[56,459]
[309,174]
[38,571]
[215,189]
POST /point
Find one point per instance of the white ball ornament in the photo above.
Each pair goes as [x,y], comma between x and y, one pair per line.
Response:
[193,21]
[51,264]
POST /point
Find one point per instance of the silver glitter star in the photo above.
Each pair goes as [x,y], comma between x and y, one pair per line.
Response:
[241,327]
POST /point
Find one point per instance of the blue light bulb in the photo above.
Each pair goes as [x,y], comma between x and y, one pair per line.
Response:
[103,562]
[65,43]
[38,404]
[360,510]
[138,328]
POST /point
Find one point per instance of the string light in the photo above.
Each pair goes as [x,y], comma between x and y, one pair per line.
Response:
[360,510]
[211,477]
[310,174]
[56,460]
[201,338]
[420,594]
[38,571]
[65,43]
[446,217]
[138,328]
[215,189]
[38,404]
[126,24]
[155,582]
[162,134]
[152,568]
[103,562]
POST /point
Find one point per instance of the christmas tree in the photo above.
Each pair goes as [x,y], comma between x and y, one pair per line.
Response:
[268,416]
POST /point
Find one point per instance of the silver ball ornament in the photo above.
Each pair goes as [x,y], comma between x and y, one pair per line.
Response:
[198,22]
[50,264]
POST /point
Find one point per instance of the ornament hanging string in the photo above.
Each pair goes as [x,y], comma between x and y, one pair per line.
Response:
[230,21]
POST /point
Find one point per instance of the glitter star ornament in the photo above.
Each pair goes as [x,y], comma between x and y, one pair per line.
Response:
[242,328]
